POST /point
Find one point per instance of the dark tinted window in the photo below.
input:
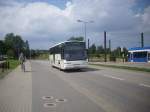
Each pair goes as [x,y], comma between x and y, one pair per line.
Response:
[74,45]
[140,54]
[56,49]
[75,51]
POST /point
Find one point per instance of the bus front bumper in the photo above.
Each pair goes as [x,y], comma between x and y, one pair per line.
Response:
[75,65]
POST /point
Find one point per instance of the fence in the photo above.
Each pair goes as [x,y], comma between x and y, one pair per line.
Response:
[4,65]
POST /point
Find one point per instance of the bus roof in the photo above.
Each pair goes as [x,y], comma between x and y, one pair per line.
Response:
[64,42]
[136,49]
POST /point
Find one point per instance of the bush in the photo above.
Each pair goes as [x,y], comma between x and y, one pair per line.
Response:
[112,58]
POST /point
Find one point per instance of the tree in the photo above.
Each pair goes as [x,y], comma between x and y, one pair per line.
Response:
[117,52]
[27,49]
[10,53]
[2,47]
[92,49]
[9,40]
[125,51]
[100,50]
[18,45]
[76,39]
[15,43]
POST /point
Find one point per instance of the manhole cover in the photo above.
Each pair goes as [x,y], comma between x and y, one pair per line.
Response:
[49,105]
[47,97]
[60,100]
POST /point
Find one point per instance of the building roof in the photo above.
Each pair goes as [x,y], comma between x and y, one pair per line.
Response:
[139,49]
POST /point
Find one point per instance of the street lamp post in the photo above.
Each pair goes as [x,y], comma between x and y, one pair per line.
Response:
[84,22]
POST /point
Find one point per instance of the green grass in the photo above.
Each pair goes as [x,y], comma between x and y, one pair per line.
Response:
[124,67]
[12,64]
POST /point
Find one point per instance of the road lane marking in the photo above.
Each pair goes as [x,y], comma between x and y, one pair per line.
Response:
[100,101]
[113,77]
[145,85]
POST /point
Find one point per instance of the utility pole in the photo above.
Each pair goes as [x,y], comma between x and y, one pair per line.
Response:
[109,46]
[88,43]
[30,54]
[142,40]
[109,50]
[85,31]
[88,49]
[105,58]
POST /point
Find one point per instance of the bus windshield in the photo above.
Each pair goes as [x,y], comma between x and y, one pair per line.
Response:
[75,46]
[75,51]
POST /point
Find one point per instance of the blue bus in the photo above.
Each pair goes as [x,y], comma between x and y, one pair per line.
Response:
[139,54]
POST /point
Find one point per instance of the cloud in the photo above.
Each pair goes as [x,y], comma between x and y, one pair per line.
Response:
[41,22]
[145,19]
[33,20]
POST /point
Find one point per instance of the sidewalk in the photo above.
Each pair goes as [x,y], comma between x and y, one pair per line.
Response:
[16,91]
[128,64]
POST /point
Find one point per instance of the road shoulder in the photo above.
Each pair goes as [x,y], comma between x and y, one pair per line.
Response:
[133,68]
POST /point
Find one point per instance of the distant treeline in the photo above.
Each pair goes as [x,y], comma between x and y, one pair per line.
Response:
[39,54]
[97,51]
[13,45]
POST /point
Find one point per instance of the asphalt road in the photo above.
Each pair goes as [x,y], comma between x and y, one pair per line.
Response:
[89,90]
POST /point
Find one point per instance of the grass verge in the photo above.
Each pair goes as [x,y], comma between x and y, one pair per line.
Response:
[124,67]
[12,64]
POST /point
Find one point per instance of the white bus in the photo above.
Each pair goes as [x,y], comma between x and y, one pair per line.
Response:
[68,55]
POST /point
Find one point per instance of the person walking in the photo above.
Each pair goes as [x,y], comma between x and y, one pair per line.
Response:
[22,61]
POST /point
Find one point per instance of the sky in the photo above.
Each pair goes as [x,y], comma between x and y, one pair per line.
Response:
[47,22]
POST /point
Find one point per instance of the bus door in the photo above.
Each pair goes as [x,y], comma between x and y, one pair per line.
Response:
[131,57]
